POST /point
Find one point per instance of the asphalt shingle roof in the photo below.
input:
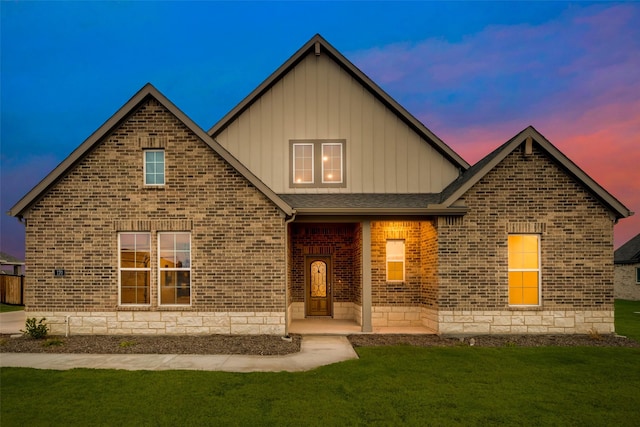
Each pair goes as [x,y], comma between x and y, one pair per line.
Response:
[362,200]
[629,253]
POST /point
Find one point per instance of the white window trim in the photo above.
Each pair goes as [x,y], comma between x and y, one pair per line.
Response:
[538,270]
[338,144]
[164,168]
[120,270]
[162,269]
[403,260]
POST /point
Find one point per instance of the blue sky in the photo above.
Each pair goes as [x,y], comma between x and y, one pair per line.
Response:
[475,73]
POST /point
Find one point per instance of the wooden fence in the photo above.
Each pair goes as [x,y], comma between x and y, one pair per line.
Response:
[11,289]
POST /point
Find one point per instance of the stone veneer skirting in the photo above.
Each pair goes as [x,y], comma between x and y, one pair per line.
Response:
[163,323]
[526,322]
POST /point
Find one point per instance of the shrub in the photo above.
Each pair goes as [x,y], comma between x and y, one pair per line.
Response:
[35,329]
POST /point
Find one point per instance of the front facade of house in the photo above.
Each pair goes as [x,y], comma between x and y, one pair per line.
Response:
[317,196]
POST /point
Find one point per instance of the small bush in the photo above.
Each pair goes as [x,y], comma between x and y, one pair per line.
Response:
[125,344]
[35,329]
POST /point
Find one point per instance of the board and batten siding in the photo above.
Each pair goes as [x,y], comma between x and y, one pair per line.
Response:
[318,99]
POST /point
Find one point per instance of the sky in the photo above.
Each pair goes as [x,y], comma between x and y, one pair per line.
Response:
[475,73]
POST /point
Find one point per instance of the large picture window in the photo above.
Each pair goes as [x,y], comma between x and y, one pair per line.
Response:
[395,260]
[318,163]
[174,268]
[134,256]
[524,269]
[154,167]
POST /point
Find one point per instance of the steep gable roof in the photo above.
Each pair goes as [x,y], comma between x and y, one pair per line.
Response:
[629,253]
[141,96]
[318,44]
[474,174]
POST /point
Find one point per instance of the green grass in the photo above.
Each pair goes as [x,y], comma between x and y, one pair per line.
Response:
[5,308]
[387,386]
[628,318]
[463,386]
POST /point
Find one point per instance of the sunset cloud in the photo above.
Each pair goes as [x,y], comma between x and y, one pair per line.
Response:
[574,78]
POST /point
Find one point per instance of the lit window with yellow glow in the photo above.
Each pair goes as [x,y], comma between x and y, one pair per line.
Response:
[395,260]
[331,163]
[303,163]
[524,269]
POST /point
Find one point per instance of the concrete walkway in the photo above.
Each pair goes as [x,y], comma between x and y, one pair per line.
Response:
[315,351]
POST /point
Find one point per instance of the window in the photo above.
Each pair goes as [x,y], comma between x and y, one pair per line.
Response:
[331,163]
[154,167]
[524,269]
[134,253]
[303,163]
[637,275]
[175,268]
[395,260]
[318,163]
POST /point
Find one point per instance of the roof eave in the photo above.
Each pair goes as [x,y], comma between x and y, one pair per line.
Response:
[428,211]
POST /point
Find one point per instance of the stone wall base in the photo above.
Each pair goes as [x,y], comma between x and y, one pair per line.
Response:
[163,323]
[526,322]
[396,316]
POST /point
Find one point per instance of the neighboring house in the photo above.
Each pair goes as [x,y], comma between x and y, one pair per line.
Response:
[318,195]
[627,270]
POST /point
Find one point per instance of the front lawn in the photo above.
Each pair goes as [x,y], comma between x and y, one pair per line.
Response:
[628,318]
[387,386]
[5,308]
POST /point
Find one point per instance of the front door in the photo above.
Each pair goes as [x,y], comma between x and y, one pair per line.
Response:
[318,285]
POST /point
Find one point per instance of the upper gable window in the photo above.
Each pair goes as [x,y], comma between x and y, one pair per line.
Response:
[303,163]
[317,163]
[154,167]
[331,163]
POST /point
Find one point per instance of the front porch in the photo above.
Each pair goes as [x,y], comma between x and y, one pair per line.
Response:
[338,281]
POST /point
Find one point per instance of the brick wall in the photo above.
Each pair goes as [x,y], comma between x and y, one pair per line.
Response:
[337,241]
[527,195]
[237,234]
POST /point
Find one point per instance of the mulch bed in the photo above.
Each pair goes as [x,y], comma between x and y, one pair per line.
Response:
[269,345]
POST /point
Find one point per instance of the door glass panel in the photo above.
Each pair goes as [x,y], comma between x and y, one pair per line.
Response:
[318,279]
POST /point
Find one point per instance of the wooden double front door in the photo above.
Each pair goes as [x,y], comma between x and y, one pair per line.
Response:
[318,285]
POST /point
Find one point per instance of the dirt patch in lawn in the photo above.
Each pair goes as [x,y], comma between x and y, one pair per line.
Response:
[269,345]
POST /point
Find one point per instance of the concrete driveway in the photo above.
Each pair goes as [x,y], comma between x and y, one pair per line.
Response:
[12,322]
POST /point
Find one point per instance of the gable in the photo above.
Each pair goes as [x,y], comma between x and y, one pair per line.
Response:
[143,97]
[525,145]
[318,95]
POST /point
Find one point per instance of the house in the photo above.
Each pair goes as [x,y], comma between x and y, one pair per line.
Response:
[626,261]
[317,196]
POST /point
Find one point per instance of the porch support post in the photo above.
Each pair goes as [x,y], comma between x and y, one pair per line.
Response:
[366,276]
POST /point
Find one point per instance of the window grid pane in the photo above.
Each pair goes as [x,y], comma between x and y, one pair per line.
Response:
[395,260]
[175,268]
[154,167]
[303,163]
[135,268]
[524,270]
[332,163]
